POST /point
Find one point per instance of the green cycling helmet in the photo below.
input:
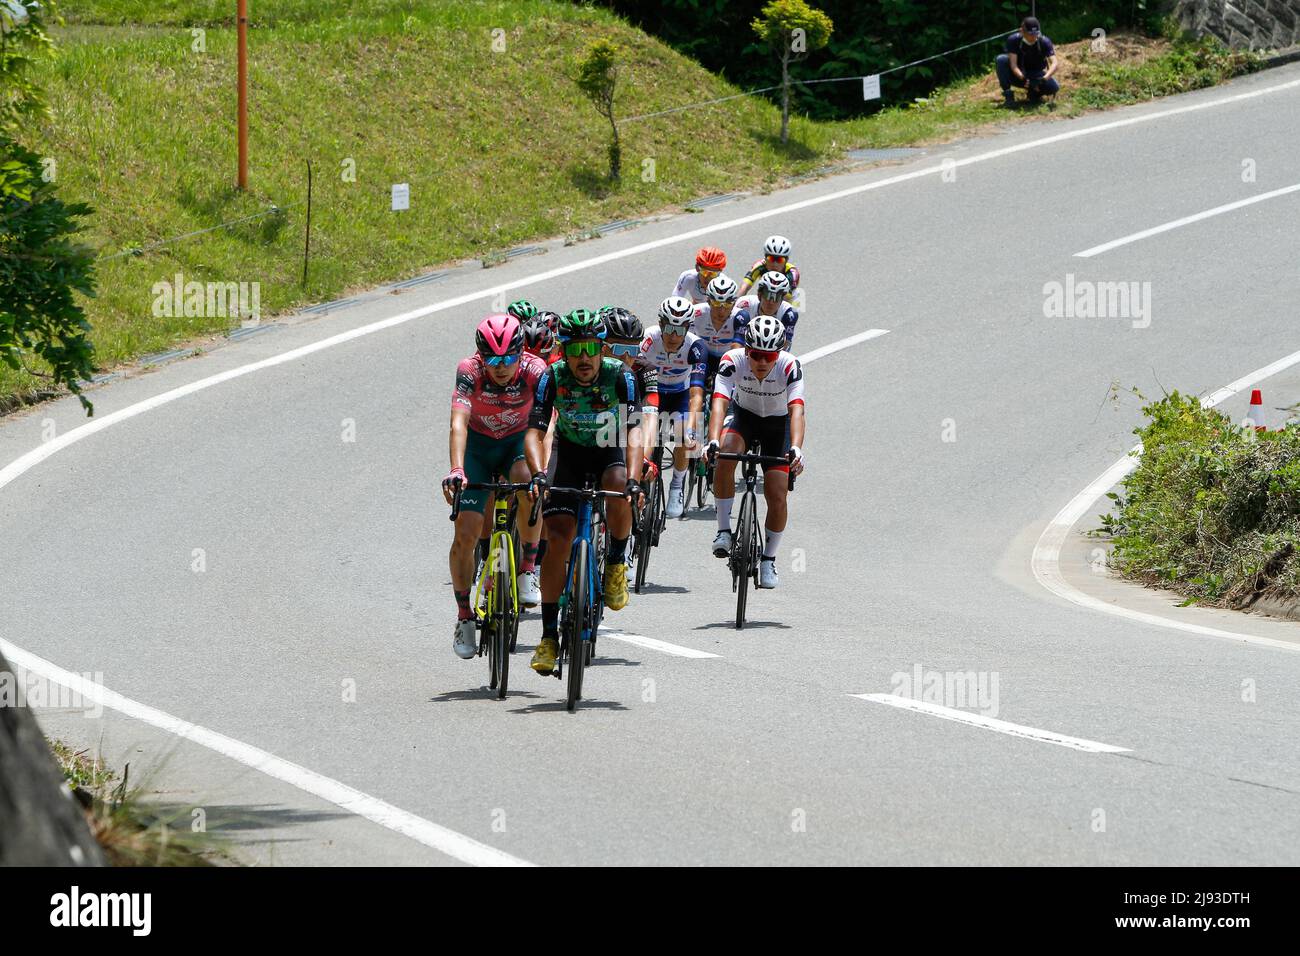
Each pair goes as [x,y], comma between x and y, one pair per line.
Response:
[581,324]
[523,310]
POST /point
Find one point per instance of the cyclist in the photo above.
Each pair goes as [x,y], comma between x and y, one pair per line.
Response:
[681,359]
[776,258]
[590,396]
[693,284]
[623,342]
[490,405]
[715,324]
[757,401]
[769,299]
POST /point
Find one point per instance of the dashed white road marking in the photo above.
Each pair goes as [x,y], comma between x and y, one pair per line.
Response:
[1186,220]
[992,723]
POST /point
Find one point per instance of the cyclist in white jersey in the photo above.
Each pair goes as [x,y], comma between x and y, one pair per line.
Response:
[715,323]
[693,284]
[757,405]
[768,300]
[680,358]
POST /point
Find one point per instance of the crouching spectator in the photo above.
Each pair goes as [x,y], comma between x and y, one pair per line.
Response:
[1029,63]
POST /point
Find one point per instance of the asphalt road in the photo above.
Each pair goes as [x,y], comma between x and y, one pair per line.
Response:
[937,453]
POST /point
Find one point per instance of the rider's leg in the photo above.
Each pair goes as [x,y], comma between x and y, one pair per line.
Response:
[776,483]
[461,559]
[724,477]
[529,534]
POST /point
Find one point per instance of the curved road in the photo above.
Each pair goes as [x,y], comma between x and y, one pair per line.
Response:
[937,453]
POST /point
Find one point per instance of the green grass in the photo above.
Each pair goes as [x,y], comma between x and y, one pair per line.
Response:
[498,147]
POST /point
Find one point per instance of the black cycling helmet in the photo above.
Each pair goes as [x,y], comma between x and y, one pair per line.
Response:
[538,337]
[581,324]
[620,323]
[550,318]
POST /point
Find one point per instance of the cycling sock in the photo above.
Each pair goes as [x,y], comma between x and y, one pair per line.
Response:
[678,477]
[617,550]
[463,613]
[772,543]
[724,513]
[550,618]
[530,558]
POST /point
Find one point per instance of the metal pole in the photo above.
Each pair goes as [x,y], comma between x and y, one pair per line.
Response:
[242,16]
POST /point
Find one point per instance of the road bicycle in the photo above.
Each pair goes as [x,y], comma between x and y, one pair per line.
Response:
[496,593]
[747,542]
[650,522]
[700,474]
[582,605]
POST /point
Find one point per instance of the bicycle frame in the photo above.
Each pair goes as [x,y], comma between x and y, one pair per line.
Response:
[503,515]
[594,597]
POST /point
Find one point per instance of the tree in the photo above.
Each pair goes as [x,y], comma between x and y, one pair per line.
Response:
[597,78]
[41,267]
[792,28]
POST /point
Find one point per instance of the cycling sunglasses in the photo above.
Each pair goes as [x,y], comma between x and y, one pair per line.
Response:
[719,303]
[584,347]
[760,355]
[707,273]
[619,349]
[497,360]
[779,260]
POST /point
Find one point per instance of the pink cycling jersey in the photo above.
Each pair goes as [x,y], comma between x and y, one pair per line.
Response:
[496,412]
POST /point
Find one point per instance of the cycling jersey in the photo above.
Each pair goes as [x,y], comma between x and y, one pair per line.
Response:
[585,414]
[766,397]
[647,383]
[760,267]
[720,340]
[688,287]
[747,307]
[496,411]
[680,369]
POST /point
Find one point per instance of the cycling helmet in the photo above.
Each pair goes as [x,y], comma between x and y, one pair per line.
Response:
[552,319]
[766,333]
[722,289]
[711,257]
[581,324]
[774,284]
[538,337]
[777,246]
[499,334]
[522,309]
[621,324]
[676,312]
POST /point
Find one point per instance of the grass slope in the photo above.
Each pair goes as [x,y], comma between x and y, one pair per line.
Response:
[498,146]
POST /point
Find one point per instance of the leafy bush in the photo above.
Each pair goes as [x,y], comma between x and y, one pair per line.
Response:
[1212,510]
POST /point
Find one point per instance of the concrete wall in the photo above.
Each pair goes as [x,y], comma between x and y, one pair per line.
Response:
[1243,24]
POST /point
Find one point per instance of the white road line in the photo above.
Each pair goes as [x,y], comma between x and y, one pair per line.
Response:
[654,644]
[990,723]
[1186,220]
[446,841]
[25,463]
[1046,557]
[825,350]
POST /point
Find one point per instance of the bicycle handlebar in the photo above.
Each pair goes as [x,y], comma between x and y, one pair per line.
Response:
[501,488]
[749,457]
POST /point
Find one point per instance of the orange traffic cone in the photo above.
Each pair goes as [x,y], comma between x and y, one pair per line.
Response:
[1255,416]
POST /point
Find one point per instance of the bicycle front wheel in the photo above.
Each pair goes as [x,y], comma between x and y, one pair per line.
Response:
[506,615]
[744,556]
[645,537]
[578,612]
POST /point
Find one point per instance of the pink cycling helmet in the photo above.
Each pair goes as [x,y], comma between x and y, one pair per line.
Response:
[499,334]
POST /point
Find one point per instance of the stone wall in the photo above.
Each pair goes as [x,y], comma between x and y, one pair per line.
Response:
[1243,24]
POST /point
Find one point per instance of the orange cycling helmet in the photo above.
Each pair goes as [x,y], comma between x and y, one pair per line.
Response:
[711,257]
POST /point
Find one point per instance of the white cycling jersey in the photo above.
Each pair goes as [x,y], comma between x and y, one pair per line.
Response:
[679,369]
[718,340]
[766,397]
[688,287]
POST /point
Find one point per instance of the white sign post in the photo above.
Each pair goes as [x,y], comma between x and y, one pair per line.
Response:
[871,87]
[401,196]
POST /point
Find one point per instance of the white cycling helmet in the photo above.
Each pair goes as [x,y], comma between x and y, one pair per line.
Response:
[766,333]
[722,289]
[777,246]
[774,284]
[676,312]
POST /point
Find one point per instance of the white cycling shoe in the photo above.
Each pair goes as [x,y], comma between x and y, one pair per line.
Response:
[465,643]
[676,501]
[530,593]
[722,544]
[767,573]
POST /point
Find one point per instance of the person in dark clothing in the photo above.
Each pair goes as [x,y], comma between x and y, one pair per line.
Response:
[1029,63]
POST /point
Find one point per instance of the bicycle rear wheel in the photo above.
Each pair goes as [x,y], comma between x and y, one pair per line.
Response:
[578,612]
[744,556]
